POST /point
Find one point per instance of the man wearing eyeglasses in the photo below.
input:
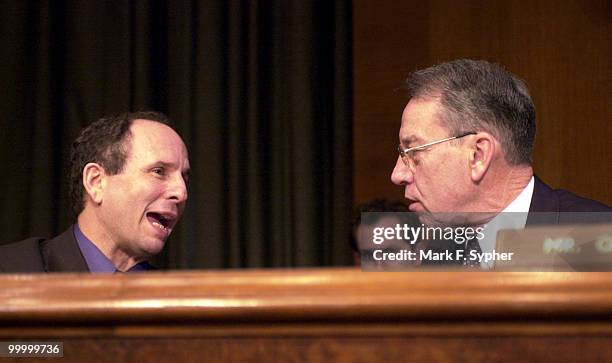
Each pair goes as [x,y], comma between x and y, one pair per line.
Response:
[466,145]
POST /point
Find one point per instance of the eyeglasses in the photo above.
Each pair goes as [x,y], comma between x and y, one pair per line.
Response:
[407,155]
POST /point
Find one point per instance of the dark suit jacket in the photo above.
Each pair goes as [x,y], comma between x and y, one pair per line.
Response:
[548,207]
[60,254]
[557,206]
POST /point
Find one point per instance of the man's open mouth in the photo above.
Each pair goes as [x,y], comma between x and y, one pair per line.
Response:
[162,221]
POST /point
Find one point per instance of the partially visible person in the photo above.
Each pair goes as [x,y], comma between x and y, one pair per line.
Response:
[384,214]
[466,145]
[129,175]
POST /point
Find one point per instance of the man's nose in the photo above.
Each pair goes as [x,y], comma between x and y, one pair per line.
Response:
[178,189]
[401,174]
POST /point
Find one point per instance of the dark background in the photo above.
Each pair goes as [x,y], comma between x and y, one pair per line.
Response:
[259,90]
[561,49]
[289,108]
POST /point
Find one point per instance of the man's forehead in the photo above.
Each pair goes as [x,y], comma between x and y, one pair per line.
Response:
[150,127]
[154,140]
[420,121]
[154,132]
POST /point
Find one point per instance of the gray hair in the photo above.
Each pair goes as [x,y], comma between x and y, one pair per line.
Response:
[481,96]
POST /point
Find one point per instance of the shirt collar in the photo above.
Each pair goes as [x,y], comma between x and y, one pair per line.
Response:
[96,261]
[514,216]
[521,203]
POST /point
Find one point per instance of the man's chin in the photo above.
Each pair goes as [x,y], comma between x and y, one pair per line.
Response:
[427,218]
[152,246]
[424,215]
[437,219]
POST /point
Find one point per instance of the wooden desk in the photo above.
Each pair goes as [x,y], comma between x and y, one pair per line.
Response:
[316,315]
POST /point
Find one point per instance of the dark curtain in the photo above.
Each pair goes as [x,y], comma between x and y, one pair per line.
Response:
[259,90]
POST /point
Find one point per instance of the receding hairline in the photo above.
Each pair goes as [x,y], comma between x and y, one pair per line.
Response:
[142,122]
[146,120]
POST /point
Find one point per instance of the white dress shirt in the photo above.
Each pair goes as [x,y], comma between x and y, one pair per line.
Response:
[514,216]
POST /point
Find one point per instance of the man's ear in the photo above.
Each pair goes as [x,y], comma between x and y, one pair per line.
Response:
[93,181]
[483,150]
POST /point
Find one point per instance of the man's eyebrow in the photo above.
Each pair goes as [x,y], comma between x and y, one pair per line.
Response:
[165,164]
[411,139]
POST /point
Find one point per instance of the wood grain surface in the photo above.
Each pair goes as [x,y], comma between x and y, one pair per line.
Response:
[313,315]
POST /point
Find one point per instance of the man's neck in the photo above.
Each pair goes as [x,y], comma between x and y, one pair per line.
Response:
[92,229]
[503,187]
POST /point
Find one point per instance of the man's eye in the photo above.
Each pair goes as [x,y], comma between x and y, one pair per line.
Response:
[159,171]
[417,153]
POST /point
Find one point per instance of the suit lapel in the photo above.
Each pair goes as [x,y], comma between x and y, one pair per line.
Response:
[62,254]
[544,207]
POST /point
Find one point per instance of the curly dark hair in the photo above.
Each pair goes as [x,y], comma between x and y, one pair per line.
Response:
[104,142]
